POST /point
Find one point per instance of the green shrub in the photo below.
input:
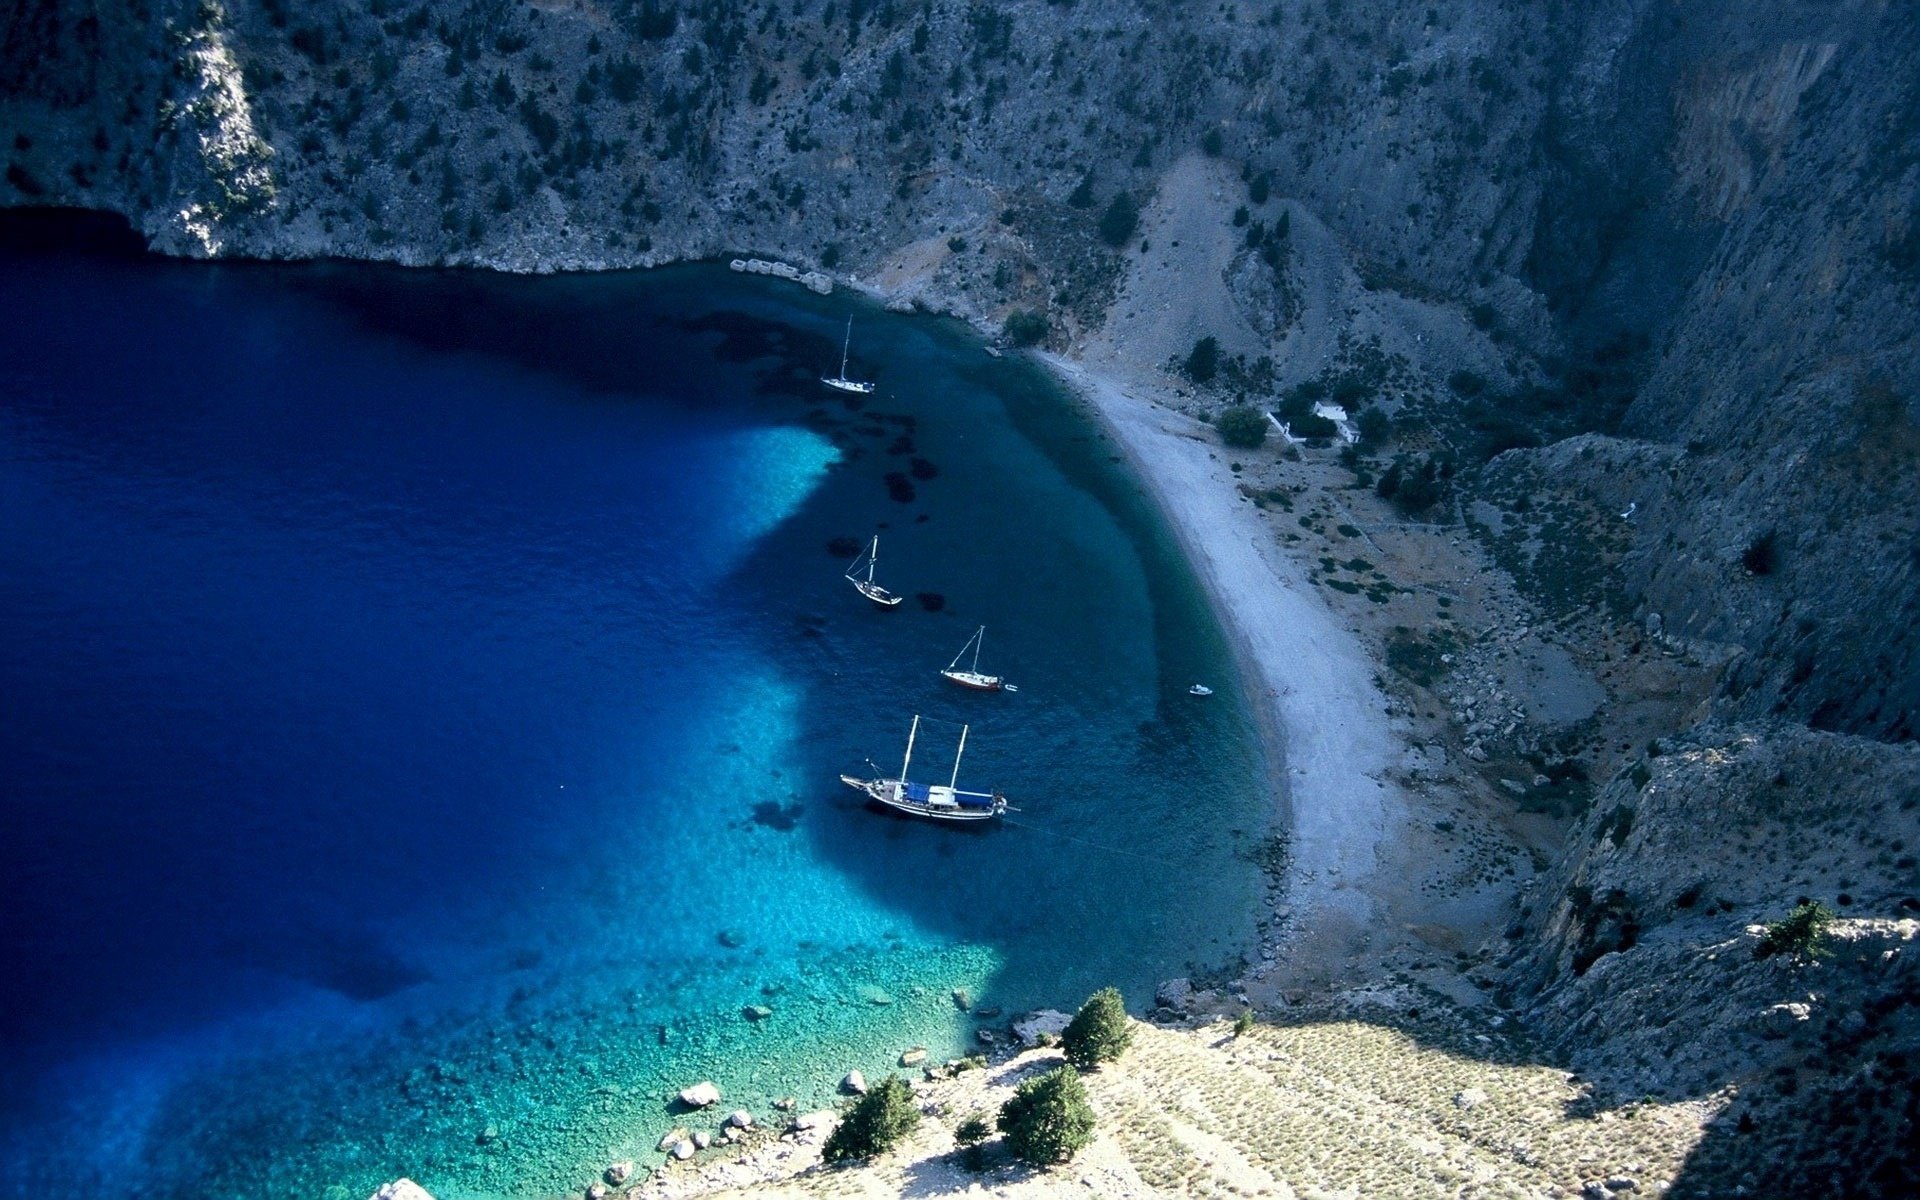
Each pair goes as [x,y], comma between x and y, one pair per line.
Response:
[972,1131]
[1374,428]
[1803,933]
[1212,142]
[876,1124]
[1120,220]
[1203,361]
[1024,327]
[1048,1119]
[1242,426]
[1098,1032]
[1243,1024]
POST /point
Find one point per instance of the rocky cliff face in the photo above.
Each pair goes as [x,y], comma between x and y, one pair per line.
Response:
[1688,233]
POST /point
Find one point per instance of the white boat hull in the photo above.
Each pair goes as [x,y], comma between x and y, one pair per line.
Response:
[875,593]
[855,386]
[975,680]
[942,804]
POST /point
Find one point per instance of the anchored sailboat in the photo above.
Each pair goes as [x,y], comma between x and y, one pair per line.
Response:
[972,676]
[932,801]
[840,382]
[867,587]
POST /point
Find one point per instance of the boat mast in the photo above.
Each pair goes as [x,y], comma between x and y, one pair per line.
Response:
[955,781]
[873,558]
[963,654]
[909,757]
[979,640]
[844,346]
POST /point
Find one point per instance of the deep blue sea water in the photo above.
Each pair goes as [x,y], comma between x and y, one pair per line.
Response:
[422,696]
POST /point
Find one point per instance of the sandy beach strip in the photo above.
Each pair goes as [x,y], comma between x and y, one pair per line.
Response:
[1330,738]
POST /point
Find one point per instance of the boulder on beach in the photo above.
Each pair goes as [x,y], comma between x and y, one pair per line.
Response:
[700,1095]
[618,1173]
[1175,994]
[815,1121]
[670,1139]
[739,1118]
[682,1151]
[1047,1021]
[702,1139]
[855,1082]
[401,1189]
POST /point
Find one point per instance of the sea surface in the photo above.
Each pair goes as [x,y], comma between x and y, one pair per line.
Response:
[422,696]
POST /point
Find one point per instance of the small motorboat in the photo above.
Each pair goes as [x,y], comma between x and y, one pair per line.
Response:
[1199,689]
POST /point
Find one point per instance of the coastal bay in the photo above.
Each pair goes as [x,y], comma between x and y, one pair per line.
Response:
[550,819]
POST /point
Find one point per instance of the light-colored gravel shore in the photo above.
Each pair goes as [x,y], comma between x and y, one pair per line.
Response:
[1311,677]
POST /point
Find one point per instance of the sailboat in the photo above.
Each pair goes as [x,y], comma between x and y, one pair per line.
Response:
[840,382]
[867,587]
[932,801]
[972,676]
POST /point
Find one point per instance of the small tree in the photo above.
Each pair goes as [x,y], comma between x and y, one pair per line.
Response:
[1374,427]
[1803,933]
[876,1124]
[1243,1024]
[1120,220]
[1203,360]
[1243,426]
[1024,327]
[1048,1120]
[1098,1032]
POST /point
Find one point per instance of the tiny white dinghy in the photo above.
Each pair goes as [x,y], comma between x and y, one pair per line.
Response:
[932,801]
[973,677]
[840,382]
[1199,689]
[865,585]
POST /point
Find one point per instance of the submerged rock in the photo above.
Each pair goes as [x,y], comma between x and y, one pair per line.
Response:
[855,1082]
[962,999]
[401,1189]
[914,1056]
[618,1173]
[756,1012]
[670,1139]
[700,1095]
[739,1118]
[786,1104]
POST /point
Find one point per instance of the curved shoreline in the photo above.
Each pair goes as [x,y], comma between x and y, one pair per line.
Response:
[1325,721]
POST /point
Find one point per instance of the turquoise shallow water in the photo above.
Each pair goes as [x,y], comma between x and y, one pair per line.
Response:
[423,692]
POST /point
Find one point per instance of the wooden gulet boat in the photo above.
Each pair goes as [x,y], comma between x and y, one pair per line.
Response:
[973,677]
[932,801]
[866,586]
[840,382]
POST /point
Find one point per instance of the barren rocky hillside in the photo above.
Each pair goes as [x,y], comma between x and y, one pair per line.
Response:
[1633,282]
